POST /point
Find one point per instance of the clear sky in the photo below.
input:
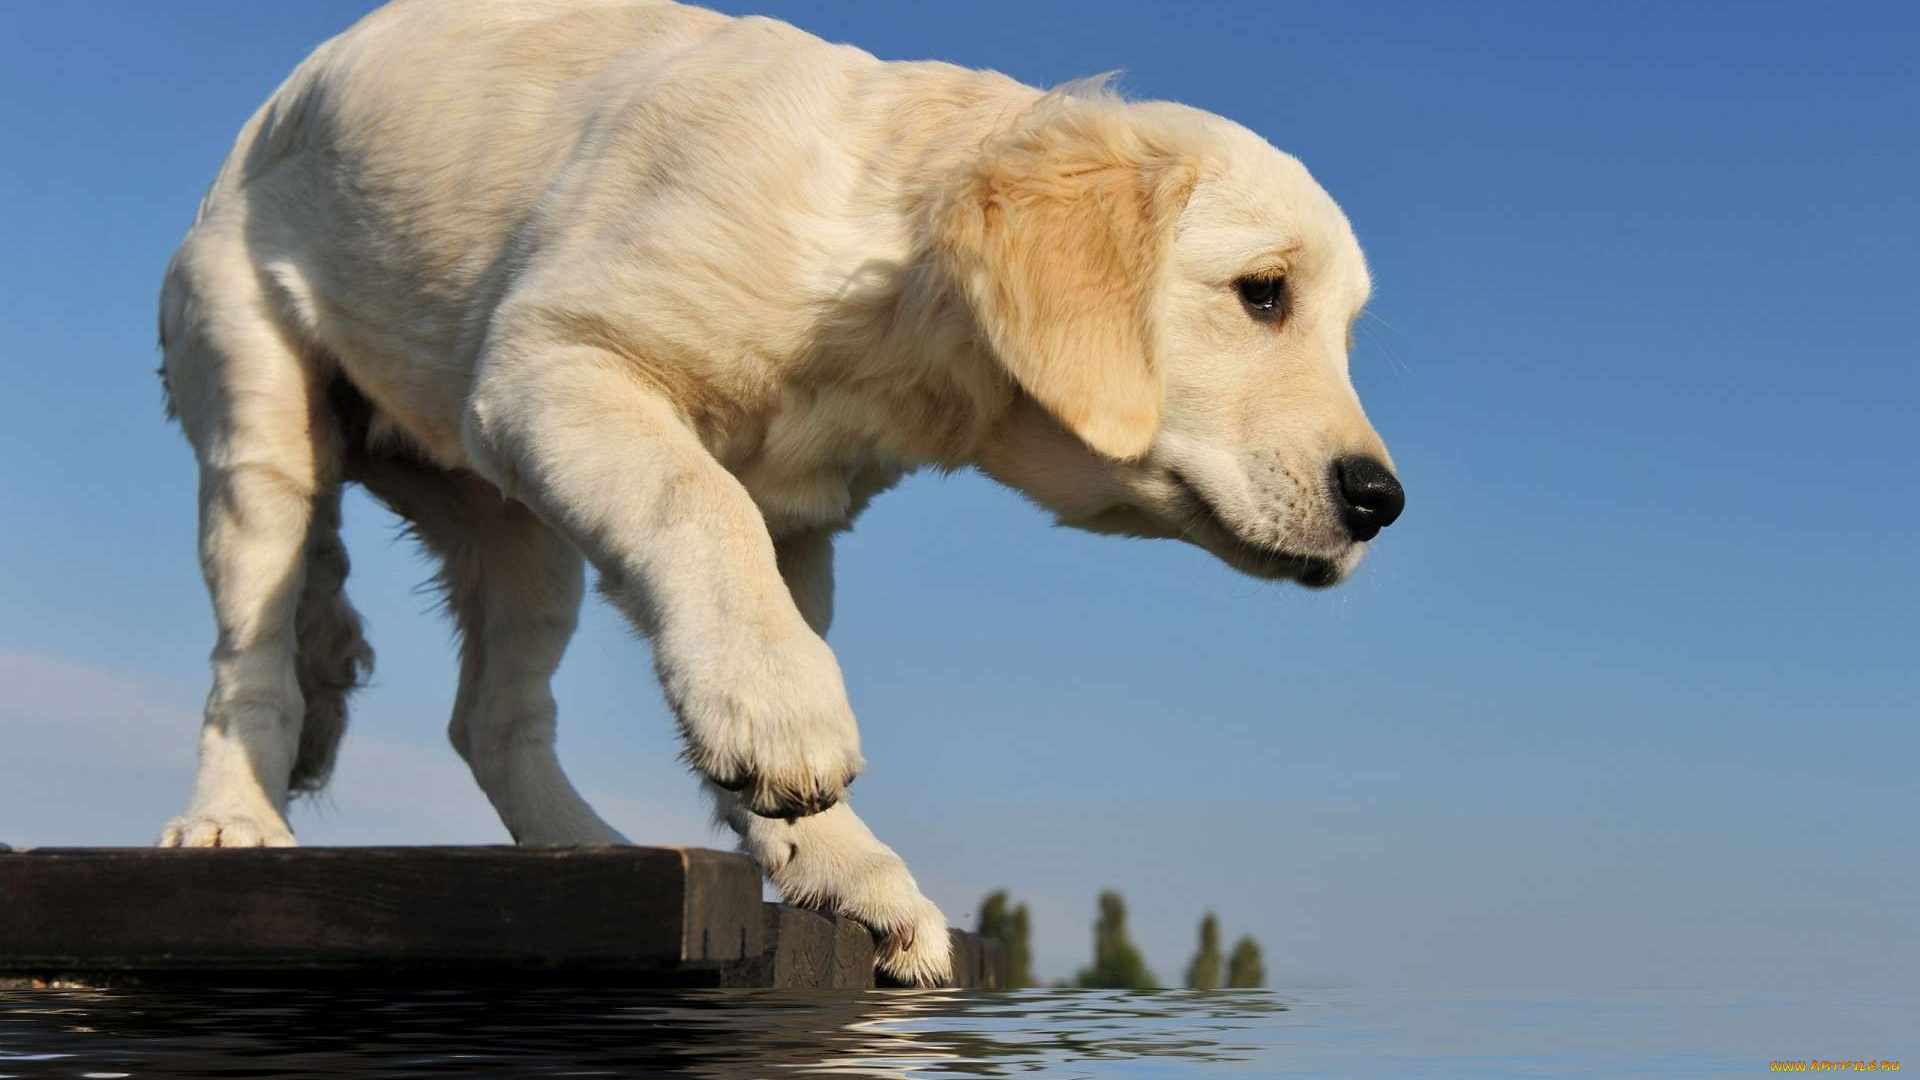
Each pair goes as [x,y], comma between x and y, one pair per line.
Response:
[1627,698]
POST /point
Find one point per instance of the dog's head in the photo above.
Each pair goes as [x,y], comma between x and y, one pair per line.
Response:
[1176,300]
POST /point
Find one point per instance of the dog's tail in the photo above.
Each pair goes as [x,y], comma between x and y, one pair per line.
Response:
[333,658]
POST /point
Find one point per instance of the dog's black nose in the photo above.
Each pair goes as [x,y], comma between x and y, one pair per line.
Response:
[1368,495]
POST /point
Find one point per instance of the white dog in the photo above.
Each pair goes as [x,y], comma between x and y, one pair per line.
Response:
[681,293]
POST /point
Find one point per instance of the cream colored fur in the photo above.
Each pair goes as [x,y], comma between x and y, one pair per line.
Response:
[677,294]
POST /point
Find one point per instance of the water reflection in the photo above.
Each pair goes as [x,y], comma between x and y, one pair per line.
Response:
[374,1032]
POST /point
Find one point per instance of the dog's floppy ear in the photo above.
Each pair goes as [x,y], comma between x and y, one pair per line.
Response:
[1058,236]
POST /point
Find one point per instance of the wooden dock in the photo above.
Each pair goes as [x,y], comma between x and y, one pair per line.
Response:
[629,916]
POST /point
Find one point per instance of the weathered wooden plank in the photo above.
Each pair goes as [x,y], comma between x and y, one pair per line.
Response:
[800,946]
[852,956]
[978,962]
[966,958]
[319,909]
[811,951]
[632,915]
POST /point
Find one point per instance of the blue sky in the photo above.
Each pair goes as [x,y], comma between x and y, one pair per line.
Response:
[1626,698]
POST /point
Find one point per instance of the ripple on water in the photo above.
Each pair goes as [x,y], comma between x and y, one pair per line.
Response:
[933,1034]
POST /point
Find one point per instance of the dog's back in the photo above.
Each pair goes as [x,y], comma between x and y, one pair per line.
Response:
[380,188]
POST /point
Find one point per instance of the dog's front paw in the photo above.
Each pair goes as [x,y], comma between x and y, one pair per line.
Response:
[225,830]
[917,951]
[773,726]
[831,863]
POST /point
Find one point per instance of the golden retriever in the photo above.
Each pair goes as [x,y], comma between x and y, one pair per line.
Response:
[679,294]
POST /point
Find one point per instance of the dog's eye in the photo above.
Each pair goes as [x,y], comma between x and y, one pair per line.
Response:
[1265,297]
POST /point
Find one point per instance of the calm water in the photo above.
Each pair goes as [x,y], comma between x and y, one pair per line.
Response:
[550,1033]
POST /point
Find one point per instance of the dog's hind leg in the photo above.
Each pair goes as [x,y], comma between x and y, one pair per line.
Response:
[831,861]
[332,657]
[513,587]
[255,409]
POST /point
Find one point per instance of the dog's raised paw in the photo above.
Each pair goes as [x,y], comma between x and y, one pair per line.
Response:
[775,729]
[224,830]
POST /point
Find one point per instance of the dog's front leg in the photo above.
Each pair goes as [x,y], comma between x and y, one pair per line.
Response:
[683,550]
[831,861]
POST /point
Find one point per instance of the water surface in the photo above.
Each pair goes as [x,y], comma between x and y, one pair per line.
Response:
[106,1035]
